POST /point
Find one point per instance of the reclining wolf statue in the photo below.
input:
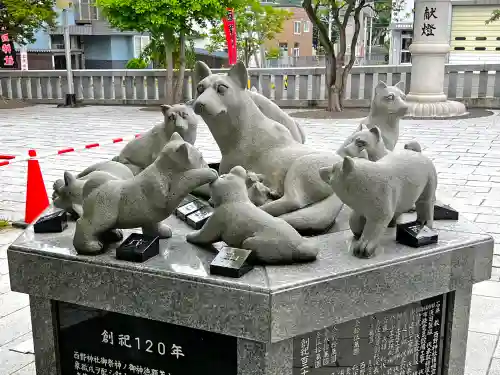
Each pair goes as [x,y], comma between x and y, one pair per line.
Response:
[248,138]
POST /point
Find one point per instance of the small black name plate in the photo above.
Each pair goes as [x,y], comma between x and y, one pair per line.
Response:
[95,342]
[444,212]
[232,262]
[138,248]
[198,218]
[183,211]
[406,340]
[415,234]
[55,222]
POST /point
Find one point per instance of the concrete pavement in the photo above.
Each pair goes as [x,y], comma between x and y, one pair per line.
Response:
[465,152]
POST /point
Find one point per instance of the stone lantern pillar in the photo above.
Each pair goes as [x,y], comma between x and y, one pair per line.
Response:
[431,43]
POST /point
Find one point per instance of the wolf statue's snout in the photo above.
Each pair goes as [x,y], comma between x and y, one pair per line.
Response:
[198,107]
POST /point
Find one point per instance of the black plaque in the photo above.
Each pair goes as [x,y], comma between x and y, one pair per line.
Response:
[415,234]
[407,340]
[198,218]
[55,222]
[232,262]
[100,342]
[183,211]
[444,212]
[138,248]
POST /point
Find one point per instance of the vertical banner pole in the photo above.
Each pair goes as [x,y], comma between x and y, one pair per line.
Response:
[230,31]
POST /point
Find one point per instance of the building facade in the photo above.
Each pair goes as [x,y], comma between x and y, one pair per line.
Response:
[94,43]
[296,40]
[472,41]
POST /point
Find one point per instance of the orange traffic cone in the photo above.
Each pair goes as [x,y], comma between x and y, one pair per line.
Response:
[36,195]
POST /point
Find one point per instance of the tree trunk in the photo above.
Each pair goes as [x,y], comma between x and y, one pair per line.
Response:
[182,68]
[246,54]
[168,37]
[334,101]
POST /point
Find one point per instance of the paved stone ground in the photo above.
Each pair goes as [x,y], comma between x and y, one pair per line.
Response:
[466,154]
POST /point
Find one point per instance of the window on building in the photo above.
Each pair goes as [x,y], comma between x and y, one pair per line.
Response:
[284,49]
[406,40]
[140,43]
[296,27]
[306,26]
[87,10]
[296,50]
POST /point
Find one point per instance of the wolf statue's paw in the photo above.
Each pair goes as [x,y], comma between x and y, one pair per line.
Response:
[93,247]
[363,249]
[112,235]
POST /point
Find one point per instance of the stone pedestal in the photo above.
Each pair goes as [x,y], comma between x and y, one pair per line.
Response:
[405,308]
[428,52]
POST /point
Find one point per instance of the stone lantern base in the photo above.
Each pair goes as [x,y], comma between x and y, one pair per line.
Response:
[441,109]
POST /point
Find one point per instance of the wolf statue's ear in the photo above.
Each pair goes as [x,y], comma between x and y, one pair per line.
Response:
[165,108]
[201,71]
[381,85]
[376,131]
[400,85]
[176,137]
[182,152]
[68,178]
[238,73]
[325,173]
[347,165]
[239,171]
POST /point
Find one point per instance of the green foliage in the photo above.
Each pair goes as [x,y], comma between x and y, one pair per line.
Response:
[254,24]
[157,16]
[273,53]
[22,18]
[495,15]
[155,51]
[137,63]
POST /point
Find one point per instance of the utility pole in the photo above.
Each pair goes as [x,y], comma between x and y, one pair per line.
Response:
[70,98]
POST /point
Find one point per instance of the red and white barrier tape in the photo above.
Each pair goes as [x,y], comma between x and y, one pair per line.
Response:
[6,159]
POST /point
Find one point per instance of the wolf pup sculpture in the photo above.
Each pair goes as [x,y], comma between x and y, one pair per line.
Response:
[67,194]
[248,138]
[142,201]
[379,191]
[371,142]
[239,223]
[387,108]
[274,112]
[139,153]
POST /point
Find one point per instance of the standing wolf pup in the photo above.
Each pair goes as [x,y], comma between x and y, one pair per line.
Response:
[141,152]
[379,191]
[248,138]
[142,201]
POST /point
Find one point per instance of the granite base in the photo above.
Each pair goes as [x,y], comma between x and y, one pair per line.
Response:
[266,309]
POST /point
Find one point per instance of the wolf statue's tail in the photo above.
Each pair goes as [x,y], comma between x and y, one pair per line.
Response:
[319,216]
[301,131]
[306,252]
[413,146]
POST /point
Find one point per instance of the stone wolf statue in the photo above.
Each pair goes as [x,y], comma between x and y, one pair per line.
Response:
[248,138]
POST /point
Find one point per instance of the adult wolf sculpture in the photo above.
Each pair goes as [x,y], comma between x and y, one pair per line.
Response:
[247,137]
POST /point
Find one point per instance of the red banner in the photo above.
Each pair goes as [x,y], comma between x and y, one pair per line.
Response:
[7,51]
[230,30]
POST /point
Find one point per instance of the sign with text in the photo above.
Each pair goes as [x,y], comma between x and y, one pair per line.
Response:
[96,342]
[407,340]
[7,52]
[230,31]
